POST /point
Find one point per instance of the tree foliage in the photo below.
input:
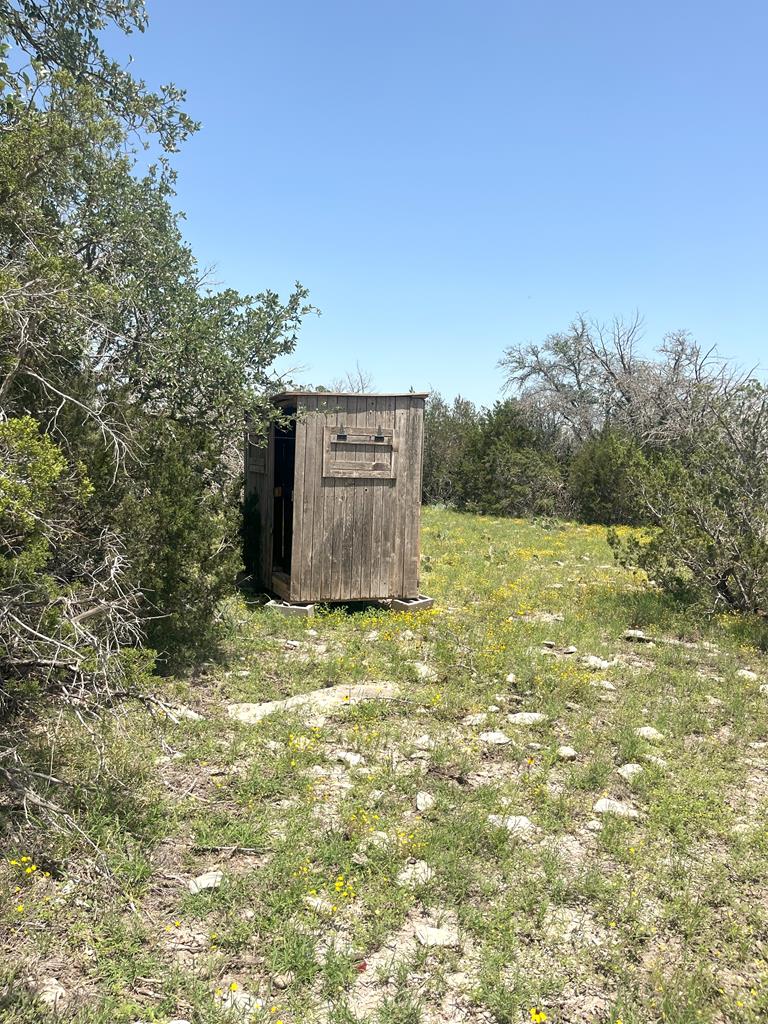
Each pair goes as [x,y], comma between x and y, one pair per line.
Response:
[124,377]
[449,432]
[498,460]
[595,377]
[603,480]
[708,501]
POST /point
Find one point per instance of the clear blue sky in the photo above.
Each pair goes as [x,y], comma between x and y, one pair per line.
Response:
[449,178]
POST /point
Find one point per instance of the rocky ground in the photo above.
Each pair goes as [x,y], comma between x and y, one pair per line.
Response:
[544,799]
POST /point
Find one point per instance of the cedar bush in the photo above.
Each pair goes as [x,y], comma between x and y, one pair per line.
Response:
[602,480]
[708,500]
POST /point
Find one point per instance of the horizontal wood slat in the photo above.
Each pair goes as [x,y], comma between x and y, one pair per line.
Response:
[349,453]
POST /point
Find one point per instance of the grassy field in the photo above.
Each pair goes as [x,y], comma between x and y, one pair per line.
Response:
[424,855]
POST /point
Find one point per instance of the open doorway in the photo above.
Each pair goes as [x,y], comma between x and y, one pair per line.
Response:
[285,463]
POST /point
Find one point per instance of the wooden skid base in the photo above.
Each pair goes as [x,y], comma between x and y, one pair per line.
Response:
[412,604]
[285,608]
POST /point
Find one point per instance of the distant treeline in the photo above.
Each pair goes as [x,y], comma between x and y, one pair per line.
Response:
[511,461]
[597,429]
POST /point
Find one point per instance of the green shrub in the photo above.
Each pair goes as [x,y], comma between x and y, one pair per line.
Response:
[602,480]
[518,482]
[709,502]
[66,606]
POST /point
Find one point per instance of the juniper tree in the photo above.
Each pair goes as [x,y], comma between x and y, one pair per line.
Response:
[124,377]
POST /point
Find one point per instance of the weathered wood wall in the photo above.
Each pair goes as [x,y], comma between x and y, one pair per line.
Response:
[356,499]
[357,504]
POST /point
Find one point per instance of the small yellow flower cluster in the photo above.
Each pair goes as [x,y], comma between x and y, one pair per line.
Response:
[26,871]
[26,865]
[364,820]
[343,891]
[527,553]
[343,887]
[302,742]
[537,1016]
[407,840]
[304,870]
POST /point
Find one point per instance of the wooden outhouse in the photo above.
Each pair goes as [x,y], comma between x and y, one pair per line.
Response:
[333,498]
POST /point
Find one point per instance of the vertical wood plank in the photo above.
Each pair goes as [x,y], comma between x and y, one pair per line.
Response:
[367,490]
[308,505]
[399,497]
[303,563]
[297,539]
[317,511]
[389,506]
[353,591]
[343,495]
[412,544]
[328,484]
[403,505]
[377,494]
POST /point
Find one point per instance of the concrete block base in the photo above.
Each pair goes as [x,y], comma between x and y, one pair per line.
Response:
[285,608]
[412,604]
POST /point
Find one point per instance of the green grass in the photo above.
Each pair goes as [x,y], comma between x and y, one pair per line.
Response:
[663,918]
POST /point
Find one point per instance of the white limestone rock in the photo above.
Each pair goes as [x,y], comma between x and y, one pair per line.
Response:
[628,772]
[377,840]
[319,904]
[636,636]
[475,719]
[647,732]
[182,711]
[240,1004]
[617,807]
[208,880]
[595,663]
[655,760]
[526,718]
[49,991]
[516,824]
[415,874]
[494,738]
[602,684]
[423,671]
[424,802]
[328,699]
[349,757]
